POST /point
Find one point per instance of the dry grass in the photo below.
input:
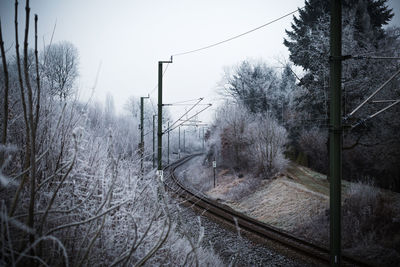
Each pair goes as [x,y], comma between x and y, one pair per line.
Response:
[231,188]
[298,201]
[282,203]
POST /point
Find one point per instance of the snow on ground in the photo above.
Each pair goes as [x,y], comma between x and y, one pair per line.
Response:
[234,249]
[281,201]
[297,201]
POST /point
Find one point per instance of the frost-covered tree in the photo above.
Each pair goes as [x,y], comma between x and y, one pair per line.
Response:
[109,110]
[267,139]
[363,34]
[240,139]
[283,99]
[60,68]
[71,193]
[308,44]
[308,41]
[252,84]
[233,130]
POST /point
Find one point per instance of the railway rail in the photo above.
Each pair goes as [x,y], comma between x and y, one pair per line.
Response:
[261,230]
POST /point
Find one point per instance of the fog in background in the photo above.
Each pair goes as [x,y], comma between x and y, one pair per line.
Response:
[128,38]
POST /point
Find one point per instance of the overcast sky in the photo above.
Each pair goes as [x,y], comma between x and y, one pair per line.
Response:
[129,37]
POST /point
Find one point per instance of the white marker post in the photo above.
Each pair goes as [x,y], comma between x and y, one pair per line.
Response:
[160,174]
[214,167]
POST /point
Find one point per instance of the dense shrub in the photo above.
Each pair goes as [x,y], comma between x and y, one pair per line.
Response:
[370,225]
[244,140]
[313,143]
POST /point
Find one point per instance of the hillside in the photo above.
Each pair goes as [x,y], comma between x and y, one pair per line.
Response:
[297,201]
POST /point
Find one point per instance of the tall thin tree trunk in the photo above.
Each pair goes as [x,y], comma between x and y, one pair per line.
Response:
[30,126]
[6,88]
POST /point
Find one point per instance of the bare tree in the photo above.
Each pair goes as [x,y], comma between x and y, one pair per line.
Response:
[267,144]
[245,140]
[60,68]
[68,174]
[6,89]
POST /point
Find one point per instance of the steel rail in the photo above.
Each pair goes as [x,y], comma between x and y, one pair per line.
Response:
[251,225]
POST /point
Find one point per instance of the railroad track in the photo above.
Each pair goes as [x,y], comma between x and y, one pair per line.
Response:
[244,222]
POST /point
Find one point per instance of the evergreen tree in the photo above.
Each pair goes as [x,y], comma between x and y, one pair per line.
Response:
[374,147]
[308,44]
[311,29]
[252,84]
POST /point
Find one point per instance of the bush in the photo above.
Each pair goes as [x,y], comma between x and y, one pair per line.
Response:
[267,143]
[244,140]
[314,145]
[370,225]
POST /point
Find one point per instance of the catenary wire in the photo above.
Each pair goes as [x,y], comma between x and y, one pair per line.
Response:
[236,36]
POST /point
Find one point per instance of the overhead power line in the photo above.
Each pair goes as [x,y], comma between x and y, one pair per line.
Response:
[236,36]
[175,105]
[200,99]
[152,105]
[185,101]
[395,102]
[188,119]
[372,95]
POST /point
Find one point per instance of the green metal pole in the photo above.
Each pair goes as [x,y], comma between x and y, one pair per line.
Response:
[141,135]
[184,140]
[160,104]
[179,142]
[214,167]
[335,132]
[154,142]
[159,132]
[203,140]
[141,146]
[168,142]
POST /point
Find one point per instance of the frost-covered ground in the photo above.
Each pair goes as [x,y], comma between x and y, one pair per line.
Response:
[280,201]
[229,245]
[298,201]
[233,249]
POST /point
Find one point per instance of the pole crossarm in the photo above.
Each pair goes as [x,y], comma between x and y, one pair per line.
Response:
[165,61]
[384,58]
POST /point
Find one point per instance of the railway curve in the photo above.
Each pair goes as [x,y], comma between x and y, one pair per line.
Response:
[234,218]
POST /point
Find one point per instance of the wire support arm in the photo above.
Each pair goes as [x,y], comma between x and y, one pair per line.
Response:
[372,95]
[375,114]
[198,102]
[180,124]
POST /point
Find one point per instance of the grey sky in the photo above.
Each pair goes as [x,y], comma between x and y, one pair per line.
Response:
[130,37]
